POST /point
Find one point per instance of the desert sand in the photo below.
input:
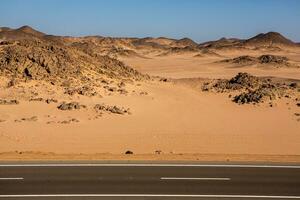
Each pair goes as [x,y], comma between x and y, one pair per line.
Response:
[163,116]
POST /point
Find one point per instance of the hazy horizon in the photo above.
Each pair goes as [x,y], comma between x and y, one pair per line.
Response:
[199,20]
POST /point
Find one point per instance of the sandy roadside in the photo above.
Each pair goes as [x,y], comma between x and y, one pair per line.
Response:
[177,121]
[227,158]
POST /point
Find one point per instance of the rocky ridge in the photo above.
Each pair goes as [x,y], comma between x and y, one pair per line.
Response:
[271,60]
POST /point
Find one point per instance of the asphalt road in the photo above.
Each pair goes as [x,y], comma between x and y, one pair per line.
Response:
[143,181]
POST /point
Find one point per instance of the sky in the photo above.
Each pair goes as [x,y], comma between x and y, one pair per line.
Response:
[200,20]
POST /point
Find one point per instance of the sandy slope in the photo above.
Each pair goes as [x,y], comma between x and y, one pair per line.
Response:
[171,118]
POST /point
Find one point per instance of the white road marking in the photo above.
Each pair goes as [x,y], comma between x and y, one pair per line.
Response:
[17,178]
[149,165]
[201,179]
[150,195]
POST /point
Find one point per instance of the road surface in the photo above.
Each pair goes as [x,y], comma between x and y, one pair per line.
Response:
[148,181]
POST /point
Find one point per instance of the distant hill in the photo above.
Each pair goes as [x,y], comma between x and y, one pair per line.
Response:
[223,42]
[132,47]
[5,29]
[149,42]
[29,30]
[22,32]
[184,42]
[269,39]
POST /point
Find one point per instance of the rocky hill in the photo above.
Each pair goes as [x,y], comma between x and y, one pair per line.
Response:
[270,39]
[221,43]
[24,32]
[28,54]
[262,40]
[184,42]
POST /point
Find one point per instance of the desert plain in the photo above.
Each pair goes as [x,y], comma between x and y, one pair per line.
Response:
[148,98]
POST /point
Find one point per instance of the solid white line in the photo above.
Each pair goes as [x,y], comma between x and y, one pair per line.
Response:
[150,165]
[150,195]
[204,179]
[17,178]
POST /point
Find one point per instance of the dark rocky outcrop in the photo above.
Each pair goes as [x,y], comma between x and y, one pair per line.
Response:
[251,89]
[70,106]
[263,60]
[271,59]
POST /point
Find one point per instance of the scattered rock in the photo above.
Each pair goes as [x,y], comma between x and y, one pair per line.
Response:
[128,152]
[37,99]
[122,84]
[11,83]
[267,59]
[68,121]
[158,152]
[294,85]
[112,89]
[111,109]
[206,87]
[105,82]
[48,101]
[255,96]
[8,102]
[29,119]
[242,60]
[163,80]
[70,106]
[123,91]
[73,120]
[85,91]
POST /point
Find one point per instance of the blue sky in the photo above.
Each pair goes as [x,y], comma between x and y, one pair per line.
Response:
[200,20]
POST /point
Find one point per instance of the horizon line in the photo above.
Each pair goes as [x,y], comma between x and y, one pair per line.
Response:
[144,37]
